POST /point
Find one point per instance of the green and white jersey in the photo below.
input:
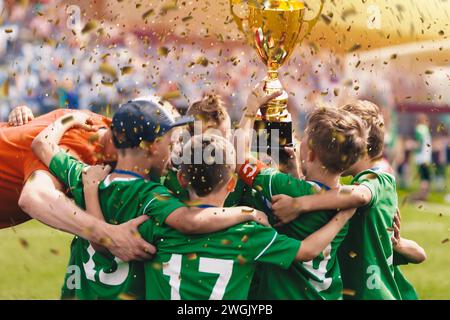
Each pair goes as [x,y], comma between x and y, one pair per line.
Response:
[366,256]
[312,280]
[215,266]
[406,289]
[92,275]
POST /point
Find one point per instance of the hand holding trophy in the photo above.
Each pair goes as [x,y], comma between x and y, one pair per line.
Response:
[273,27]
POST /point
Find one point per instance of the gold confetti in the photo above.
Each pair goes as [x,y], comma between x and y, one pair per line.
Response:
[225,242]
[89,26]
[348,292]
[126,296]
[54,251]
[163,51]
[352,254]
[24,243]
[241,259]
[191,256]
[126,70]
[445,240]
[244,239]
[147,14]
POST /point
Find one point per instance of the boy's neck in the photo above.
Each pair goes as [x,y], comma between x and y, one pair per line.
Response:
[130,164]
[321,175]
[364,164]
[214,199]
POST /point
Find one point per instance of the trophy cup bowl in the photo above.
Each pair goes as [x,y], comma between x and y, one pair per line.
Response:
[273,28]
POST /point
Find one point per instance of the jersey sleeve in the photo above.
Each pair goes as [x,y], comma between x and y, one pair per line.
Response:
[399,259]
[270,182]
[159,203]
[68,170]
[266,245]
[146,230]
[371,181]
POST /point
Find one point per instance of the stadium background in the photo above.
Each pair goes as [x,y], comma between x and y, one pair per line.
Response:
[97,54]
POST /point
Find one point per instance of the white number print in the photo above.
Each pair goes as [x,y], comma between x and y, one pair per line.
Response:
[115,278]
[224,268]
[320,273]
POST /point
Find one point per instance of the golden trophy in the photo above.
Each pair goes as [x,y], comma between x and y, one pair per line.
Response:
[273,27]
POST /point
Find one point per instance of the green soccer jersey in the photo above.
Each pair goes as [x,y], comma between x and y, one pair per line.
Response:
[366,256]
[92,275]
[214,266]
[316,279]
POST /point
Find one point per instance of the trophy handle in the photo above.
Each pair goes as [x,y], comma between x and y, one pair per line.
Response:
[311,23]
[239,21]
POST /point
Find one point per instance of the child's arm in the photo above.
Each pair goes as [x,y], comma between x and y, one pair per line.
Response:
[190,220]
[64,214]
[286,208]
[243,135]
[316,243]
[92,176]
[409,249]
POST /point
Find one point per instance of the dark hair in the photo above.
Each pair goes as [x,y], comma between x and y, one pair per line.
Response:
[338,138]
[371,115]
[211,172]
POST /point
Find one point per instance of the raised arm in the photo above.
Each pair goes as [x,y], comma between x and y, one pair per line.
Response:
[286,208]
[198,221]
[316,243]
[243,135]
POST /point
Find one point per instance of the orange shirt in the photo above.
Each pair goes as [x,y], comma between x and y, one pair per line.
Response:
[18,162]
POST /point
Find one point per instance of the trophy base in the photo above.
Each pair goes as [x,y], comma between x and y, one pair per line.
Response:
[271,138]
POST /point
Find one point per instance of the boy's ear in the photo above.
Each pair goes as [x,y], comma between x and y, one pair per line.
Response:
[181,180]
[231,185]
[311,155]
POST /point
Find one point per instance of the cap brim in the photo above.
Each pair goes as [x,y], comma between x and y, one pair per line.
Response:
[181,121]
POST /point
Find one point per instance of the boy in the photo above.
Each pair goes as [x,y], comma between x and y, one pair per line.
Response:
[212,117]
[141,131]
[333,141]
[220,265]
[367,256]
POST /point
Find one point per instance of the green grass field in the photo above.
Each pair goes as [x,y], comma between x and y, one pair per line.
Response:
[33,257]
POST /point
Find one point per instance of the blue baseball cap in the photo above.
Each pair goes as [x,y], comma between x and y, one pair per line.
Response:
[143,119]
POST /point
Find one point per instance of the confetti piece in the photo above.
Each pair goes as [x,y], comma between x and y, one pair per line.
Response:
[89,26]
[163,51]
[445,240]
[352,254]
[24,243]
[191,256]
[348,292]
[225,242]
[147,14]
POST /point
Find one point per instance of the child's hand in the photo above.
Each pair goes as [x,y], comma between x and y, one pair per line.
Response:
[259,98]
[93,175]
[285,208]
[396,238]
[260,217]
[20,115]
